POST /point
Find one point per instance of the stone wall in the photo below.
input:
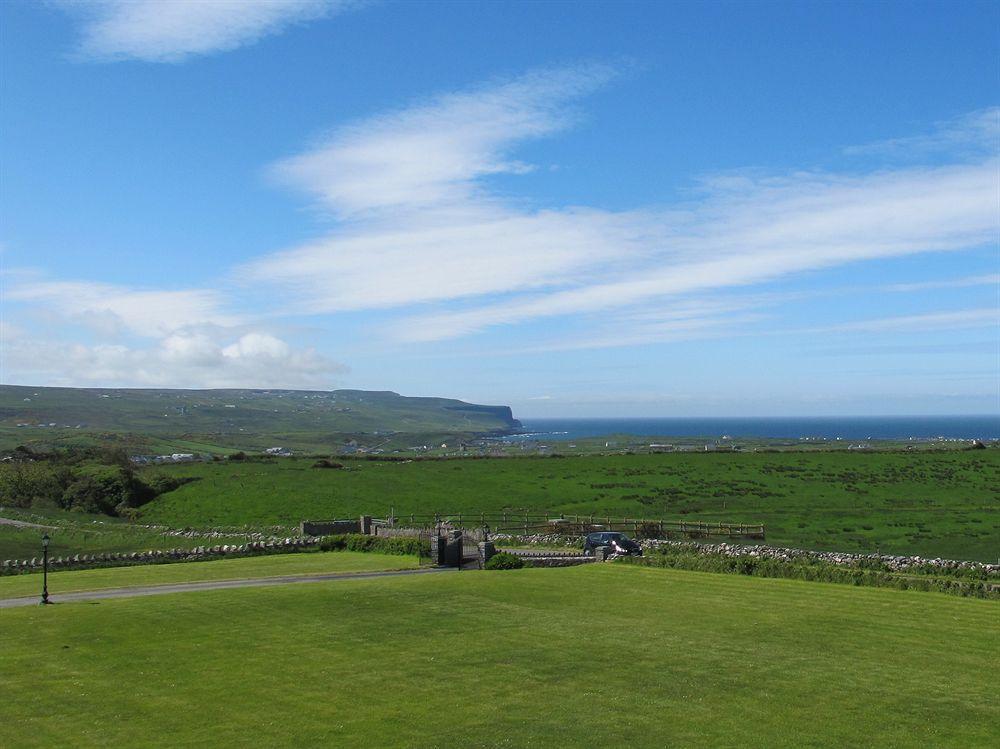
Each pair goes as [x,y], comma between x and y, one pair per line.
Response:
[162,556]
[387,532]
[892,562]
[560,561]
[329,527]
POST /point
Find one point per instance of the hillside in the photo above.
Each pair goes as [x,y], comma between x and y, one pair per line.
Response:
[44,415]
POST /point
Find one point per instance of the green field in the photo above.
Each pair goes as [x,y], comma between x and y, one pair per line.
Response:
[508,659]
[929,503]
[79,533]
[305,563]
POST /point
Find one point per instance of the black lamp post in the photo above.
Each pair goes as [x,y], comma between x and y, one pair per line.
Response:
[45,569]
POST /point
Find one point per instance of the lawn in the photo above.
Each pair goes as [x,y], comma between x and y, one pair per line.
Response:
[928,503]
[508,659]
[303,563]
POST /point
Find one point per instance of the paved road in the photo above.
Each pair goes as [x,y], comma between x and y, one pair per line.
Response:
[256,582]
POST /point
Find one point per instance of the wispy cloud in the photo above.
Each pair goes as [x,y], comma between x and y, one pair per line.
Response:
[762,231]
[419,221]
[984,317]
[112,310]
[174,30]
[972,133]
[989,279]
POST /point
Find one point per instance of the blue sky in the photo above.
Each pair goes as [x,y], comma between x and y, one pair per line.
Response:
[592,209]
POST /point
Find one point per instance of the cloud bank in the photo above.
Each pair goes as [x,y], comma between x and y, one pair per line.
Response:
[161,338]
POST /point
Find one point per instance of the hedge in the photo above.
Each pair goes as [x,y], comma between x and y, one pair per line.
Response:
[814,571]
[406,546]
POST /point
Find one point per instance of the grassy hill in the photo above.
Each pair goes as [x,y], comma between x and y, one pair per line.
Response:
[508,659]
[219,420]
[929,503]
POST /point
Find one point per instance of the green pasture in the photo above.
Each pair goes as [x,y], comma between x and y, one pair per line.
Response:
[82,533]
[537,657]
[929,503]
[276,565]
[79,533]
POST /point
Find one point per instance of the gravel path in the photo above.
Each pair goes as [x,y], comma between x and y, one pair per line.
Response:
[256,582]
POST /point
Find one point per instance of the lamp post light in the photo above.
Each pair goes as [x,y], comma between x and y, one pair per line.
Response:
[45,569]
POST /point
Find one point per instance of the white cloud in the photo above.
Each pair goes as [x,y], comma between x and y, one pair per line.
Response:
[974,132]
[761,231]
[172,30]
[485,251]
[985,317]
[180,360]
[191,341]
[111,310]
[420,221]
[989,279]
[430,155]
[417,222]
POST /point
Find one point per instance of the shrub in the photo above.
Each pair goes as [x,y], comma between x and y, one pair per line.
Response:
[649,529]
[404,546]
[504,561]
[327,463]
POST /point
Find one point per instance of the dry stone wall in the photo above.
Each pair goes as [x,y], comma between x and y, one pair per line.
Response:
[161,556]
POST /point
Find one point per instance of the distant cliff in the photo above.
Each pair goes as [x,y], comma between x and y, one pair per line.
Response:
[28,411]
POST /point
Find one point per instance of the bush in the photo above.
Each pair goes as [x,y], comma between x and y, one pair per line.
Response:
[327,463]
[649,529]
[504,561]
[161,483]
[403,546]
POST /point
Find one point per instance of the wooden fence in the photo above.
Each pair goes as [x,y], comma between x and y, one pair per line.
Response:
[529,524]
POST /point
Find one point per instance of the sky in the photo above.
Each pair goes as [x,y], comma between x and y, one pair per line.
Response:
[576,209]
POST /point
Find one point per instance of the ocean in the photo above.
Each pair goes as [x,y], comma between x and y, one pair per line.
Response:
[846,427]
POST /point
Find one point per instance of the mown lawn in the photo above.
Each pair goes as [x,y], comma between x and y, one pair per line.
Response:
[928,503]
[549,658]
[303,563]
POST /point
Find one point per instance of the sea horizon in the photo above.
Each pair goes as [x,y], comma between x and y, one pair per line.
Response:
[955,427]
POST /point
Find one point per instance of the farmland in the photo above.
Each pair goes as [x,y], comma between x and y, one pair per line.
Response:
[694,659]
[928,503]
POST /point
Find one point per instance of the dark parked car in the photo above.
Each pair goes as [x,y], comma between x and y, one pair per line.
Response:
[619,543]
